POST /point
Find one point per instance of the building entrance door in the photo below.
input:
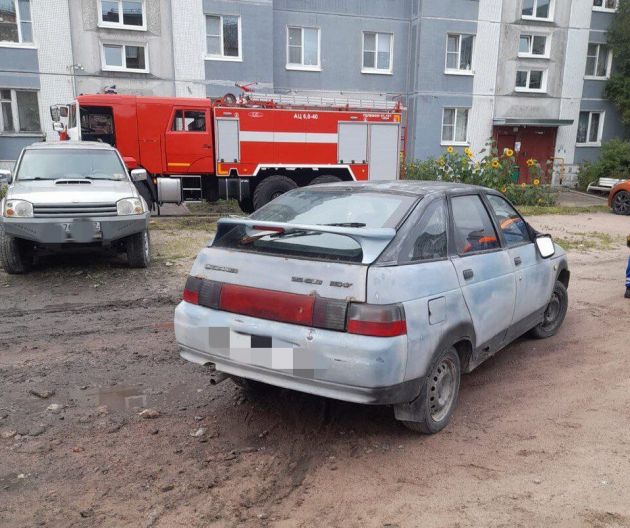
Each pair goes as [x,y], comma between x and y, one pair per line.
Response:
[538,143]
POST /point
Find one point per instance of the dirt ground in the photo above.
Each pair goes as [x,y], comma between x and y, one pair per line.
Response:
[541,436]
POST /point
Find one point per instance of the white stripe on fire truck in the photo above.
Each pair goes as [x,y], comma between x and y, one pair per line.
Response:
[287,137]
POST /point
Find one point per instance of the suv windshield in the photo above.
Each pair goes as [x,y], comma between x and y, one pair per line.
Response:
[71,164]
[343,207]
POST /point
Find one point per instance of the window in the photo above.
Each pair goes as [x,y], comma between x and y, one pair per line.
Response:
[512,226]
[533,46]
[126,14]
[531,81]
[459,51]
[303,48]
[223,37]
[538,9]
[377,52]
[15,21]
[472,226]
[598,61]
[605,5]
[20,111]
[590,125]
[189,121]
[123,57]
[429,238]
[455,126]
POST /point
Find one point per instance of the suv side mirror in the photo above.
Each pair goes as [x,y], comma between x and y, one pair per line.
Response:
[138,175]
[545,246]
[5,176]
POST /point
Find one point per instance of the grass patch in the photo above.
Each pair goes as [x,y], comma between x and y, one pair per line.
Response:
[590,241]
[165,223]
[220,207]
[536,210]
[174,245]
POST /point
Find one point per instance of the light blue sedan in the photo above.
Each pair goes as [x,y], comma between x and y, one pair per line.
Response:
[374,293]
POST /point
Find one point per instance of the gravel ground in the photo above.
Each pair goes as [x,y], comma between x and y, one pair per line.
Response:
[541,436]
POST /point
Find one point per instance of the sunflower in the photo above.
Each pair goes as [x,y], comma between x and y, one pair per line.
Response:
[468,152]
[508,152]
[531,162]
[450,150]
[536,181]
[523,185]
[504,189]
[495,163]
[441,162]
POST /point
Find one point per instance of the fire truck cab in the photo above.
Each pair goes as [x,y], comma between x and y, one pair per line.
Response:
[252,150]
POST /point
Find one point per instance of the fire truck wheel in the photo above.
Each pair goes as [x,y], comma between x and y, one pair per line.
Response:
[271,188]
[326,178]
[247,206]
[139,250]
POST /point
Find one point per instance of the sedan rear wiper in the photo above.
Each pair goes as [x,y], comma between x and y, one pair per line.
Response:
[279,234]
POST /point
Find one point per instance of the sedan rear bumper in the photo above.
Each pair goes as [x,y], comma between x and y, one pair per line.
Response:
[332,364]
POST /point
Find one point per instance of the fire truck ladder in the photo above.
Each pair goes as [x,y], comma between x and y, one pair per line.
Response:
[310,101]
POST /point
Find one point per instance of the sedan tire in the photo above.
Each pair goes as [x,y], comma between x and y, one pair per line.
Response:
[554,313]
[438,398]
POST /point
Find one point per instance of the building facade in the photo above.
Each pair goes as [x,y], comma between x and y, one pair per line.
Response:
[528,74]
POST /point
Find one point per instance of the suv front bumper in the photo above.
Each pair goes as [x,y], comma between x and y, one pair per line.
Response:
[75,230]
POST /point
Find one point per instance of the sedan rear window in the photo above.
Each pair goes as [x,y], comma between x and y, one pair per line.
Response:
[72,164]
[341,207]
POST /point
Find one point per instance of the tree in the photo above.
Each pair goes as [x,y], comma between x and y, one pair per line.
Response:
[618,87]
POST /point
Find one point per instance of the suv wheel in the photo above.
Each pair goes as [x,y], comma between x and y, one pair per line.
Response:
[554,313]
[139,249]
[437,400]
[16,255]
[270,188]
[621,203]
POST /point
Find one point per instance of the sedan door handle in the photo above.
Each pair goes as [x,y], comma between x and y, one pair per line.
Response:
[517,261]
[468,274]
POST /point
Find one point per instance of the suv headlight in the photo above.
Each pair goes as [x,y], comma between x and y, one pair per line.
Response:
[18,209]
[129,206]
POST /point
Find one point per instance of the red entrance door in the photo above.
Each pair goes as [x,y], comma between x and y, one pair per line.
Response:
[538,143]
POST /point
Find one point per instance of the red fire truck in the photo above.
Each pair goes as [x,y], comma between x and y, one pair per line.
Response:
[251,149]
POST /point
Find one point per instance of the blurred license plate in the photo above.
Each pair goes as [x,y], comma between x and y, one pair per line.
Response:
[82,231]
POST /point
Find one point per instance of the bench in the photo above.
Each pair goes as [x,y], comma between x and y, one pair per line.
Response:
[602,185]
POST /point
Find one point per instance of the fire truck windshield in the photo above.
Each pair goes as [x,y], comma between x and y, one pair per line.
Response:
[64,163]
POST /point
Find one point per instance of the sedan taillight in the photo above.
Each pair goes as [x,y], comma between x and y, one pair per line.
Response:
[378,320]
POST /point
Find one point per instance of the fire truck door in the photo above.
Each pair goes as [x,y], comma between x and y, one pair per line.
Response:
[383,151]
[228,150]
[189,142]
[352,143]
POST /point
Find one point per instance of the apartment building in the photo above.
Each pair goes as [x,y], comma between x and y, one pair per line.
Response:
[527,73]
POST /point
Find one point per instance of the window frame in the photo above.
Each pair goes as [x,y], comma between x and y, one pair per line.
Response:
[222,56]
[600,130]
[18,20]
[123,47]
[459,71]
[121,24]
[16,115]
[605,9]
[529,54]
[550,18]
[184,111]
[454,142]
[304,67]
[451,222]
[409,237]
[377,70]
[527,89]
[609,60]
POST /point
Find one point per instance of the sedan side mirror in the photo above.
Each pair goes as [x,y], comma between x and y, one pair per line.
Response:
[545,246]
[138,175]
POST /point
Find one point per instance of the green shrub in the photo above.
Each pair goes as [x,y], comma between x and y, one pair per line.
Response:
[613,162]
[3,191]
[493,169]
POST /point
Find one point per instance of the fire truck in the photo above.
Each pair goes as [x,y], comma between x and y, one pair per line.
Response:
[251,149]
